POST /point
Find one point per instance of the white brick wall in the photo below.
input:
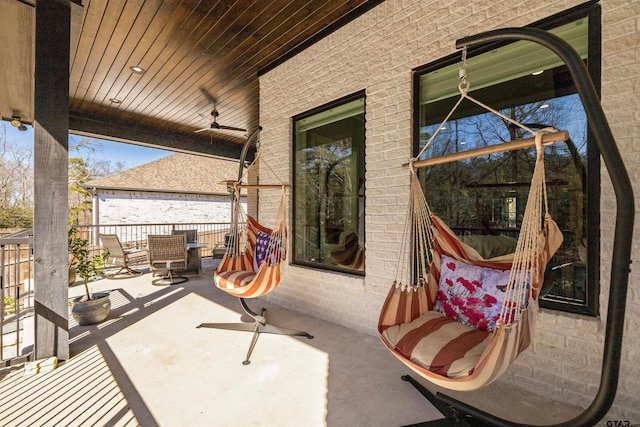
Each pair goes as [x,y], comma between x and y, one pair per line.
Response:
[123,207]
[376,52]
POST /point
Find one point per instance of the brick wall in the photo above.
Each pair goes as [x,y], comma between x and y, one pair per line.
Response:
[376,52]
[121,207]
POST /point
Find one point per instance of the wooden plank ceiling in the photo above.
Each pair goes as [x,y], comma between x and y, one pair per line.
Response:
[196,56]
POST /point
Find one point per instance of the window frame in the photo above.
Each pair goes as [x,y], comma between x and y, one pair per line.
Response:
[361,94]
[592,11]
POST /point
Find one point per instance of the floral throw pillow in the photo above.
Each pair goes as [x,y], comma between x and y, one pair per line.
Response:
[470,294]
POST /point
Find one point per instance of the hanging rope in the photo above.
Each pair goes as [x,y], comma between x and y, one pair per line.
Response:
[464,87]
[417,240]
[255,162]
[526,261]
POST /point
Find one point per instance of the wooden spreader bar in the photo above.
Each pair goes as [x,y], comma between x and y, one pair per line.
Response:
[547,139]
[260,186]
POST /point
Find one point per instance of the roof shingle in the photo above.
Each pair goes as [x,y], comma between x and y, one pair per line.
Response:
[177,173]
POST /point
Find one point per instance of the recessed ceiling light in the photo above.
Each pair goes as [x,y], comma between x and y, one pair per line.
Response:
[537,73]
[136,69]
[115,100]
[544,106]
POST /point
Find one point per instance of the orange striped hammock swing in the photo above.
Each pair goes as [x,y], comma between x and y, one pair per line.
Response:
[439,347]
[253,264]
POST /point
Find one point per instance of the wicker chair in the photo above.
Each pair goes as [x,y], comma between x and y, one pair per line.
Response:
[192,235]
[193,255]
[167,255]
[120,257]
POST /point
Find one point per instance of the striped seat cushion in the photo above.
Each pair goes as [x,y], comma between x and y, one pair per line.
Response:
[439,344]
[233,279]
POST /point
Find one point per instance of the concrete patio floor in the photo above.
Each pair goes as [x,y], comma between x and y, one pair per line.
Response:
[149,365]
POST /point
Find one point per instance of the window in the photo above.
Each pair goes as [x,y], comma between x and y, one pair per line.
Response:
[328,176]
[482,199]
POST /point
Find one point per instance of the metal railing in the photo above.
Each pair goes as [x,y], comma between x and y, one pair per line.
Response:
[16,275]
[134,236]
[16,304]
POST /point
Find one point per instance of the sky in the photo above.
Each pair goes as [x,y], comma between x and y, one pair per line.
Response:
[129,154]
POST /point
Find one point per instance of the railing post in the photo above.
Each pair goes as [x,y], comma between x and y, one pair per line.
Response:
[95,217]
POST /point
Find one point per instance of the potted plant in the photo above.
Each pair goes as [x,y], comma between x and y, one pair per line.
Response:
[89,308]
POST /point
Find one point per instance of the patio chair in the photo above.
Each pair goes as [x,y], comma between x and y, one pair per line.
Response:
[120,257]
[192,235]
[167,255]
[193,255]
[220,248]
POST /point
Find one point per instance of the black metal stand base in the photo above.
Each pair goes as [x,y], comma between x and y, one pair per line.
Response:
[259,326]
[454,415]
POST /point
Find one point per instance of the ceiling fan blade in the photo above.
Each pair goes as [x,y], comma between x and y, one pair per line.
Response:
[232,128]
[209,96]
[201,130]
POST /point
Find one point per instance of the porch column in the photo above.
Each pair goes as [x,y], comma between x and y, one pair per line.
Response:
[50,218]
[95,216]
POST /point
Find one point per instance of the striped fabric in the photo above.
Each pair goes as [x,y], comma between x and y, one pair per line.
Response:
[481,361]
[447,243]
[232,280]
[449,354]
[347,252]
[478,364]
[439,344]
[235,274]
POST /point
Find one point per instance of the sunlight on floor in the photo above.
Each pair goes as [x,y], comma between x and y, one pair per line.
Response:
[83,391]
[286,383]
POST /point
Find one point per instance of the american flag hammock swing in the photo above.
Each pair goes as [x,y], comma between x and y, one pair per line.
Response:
[426,322]
[253,264]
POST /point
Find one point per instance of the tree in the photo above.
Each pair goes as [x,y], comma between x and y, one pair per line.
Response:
[491,190]
[82,171]
[86,266]
[16,183]
[79,198]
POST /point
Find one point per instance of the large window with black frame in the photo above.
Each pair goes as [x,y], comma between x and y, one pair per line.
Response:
[483,198]
[328,193]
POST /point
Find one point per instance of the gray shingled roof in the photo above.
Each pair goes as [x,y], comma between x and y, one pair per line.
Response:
[177,173]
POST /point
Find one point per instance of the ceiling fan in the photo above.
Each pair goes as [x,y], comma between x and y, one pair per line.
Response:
[214,125]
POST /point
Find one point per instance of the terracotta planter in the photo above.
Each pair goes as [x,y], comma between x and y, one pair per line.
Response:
[90,312]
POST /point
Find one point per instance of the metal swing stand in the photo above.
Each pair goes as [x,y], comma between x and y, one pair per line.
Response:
[259,326]
[459,413]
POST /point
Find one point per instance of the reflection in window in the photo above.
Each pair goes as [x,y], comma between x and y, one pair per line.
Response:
[328,221]
[483,199]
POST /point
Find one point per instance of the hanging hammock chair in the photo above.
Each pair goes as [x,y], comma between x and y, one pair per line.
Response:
[253,263]
[455,318]
[254,260]
[407,302]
